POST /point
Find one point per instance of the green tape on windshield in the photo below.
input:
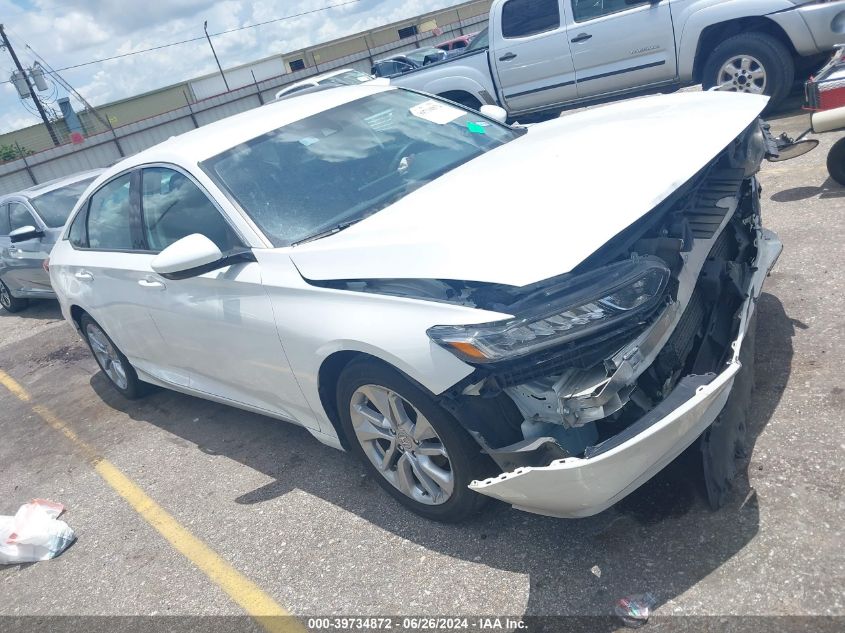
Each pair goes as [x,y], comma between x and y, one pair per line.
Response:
[475,128]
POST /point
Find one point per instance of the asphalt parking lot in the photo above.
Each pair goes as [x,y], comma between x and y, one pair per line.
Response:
[302,524]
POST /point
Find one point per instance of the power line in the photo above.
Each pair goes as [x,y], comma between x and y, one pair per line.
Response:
[202,37]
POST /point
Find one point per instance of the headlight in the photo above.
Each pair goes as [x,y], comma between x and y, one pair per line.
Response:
[576,308]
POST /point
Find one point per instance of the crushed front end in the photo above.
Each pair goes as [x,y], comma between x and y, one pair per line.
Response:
[608,373]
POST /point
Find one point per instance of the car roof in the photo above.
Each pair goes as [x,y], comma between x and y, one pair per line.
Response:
[209,140]
[315,79]
[52,185]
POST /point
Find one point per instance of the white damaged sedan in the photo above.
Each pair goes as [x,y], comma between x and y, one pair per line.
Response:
[546,316]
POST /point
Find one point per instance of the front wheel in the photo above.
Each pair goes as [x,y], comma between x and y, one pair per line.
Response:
[414,449]
[753,63]
[9,302]
[111,360]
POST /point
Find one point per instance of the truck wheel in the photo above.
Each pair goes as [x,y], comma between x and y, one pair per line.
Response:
[836,162]
[10,303]
[753,63]
[464,98]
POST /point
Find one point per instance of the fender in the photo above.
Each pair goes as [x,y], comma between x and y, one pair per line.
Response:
[692,18]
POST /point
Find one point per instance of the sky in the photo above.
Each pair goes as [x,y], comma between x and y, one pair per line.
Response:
[69,32]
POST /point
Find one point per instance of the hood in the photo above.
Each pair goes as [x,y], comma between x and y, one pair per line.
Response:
[536,207]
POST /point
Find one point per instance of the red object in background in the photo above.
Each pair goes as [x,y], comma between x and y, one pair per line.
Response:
[832,95]
[76,138]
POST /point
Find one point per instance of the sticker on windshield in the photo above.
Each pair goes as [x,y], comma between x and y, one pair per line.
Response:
[477,127]
[436,112]
[309,140]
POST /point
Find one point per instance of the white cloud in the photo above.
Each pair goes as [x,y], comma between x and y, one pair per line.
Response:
[76,31]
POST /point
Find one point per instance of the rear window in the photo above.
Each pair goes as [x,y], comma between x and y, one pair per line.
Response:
[55,206]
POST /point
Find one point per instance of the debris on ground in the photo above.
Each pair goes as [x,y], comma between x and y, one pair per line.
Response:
[596,571]
[34,533]
[634,610]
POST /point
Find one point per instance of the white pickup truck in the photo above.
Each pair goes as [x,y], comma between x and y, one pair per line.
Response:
[541,54]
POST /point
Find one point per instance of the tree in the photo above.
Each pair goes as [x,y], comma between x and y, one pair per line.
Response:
[12,152]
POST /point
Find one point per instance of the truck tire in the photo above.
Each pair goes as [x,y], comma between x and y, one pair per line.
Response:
[836,162]
[464,98]
[754,63]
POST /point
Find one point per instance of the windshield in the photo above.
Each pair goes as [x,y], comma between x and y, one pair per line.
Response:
[348,78]
[482,40]
[54,206]
[349,162]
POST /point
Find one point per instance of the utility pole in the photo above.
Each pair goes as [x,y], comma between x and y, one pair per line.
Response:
[213,52]
[32,94]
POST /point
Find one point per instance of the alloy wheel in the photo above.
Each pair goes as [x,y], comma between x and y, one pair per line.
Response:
[402,444]
[742,73]
[107,356]
[5,296]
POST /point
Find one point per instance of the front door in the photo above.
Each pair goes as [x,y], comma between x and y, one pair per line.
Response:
[218,327]
[530,51]
[22,261]
[621,44]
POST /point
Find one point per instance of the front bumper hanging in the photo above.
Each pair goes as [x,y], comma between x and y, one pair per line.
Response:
[574,487]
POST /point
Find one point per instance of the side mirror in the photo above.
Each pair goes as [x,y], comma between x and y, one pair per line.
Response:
[494,112]
[191,256]
[25,233]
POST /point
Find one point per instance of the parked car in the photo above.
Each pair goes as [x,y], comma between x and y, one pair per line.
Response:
[554,336]
[404,62]
[457,43]
[342,77]
[546,54]
[30,222]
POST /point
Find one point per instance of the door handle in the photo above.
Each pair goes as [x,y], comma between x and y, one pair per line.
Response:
[151,283]
[84,275]
[581,37]
[507,57]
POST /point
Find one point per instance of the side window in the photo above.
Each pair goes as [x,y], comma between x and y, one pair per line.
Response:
[19,216]
[521,18]
[589,9]
[172,207]
[108,216]
[78,234]
[4,219]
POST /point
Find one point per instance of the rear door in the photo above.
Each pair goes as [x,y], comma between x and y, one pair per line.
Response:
[621,44]
[23,260]
[104,272]
[530,50]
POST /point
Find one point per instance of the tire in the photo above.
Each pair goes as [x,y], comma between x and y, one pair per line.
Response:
[463,98]
[408,466]
[10,303]
[765,53]
[836,161]
[113,363]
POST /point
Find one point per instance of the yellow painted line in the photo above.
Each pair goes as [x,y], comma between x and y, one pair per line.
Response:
[7,381]
[258,604]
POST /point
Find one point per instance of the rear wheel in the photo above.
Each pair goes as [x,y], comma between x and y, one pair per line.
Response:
[111,360]
[836,162]
[10,303]
[753,63]
[414,449]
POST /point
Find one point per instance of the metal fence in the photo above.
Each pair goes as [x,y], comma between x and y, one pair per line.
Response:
[110,145]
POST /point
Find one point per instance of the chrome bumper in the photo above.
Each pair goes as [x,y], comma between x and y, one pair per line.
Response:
[579,487]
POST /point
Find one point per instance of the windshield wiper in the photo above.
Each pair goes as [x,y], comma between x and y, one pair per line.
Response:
[337,228]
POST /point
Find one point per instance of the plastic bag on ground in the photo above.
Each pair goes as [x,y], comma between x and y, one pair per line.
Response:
[34,533]
[634,610]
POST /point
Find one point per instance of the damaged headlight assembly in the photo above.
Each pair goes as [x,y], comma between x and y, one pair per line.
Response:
[578,307]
